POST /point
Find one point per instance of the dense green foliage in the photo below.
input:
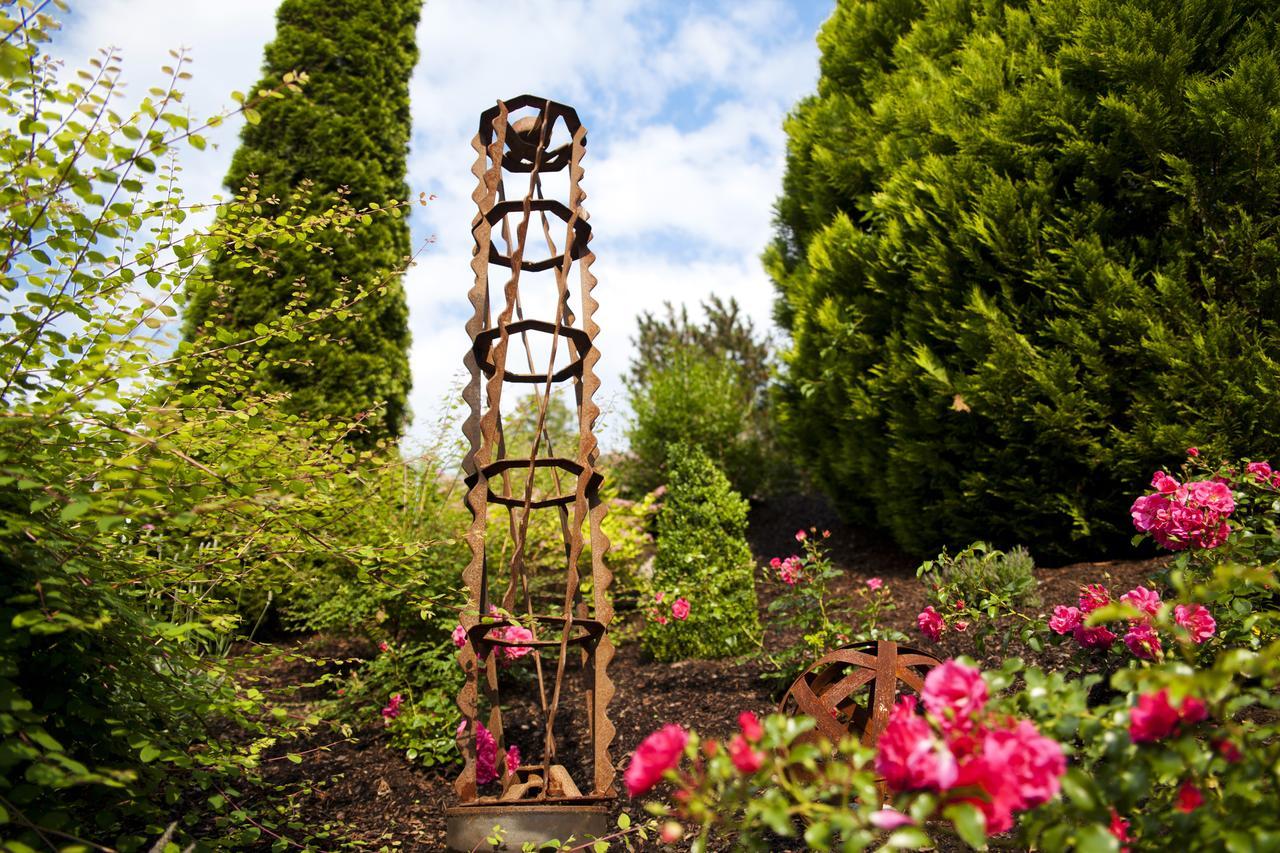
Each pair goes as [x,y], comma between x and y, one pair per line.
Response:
[144,530]
[1026,251]
[706,384]
[703,557]
[346,137]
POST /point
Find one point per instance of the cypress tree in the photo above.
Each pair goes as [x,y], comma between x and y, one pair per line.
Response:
[346,135]
[1027,253]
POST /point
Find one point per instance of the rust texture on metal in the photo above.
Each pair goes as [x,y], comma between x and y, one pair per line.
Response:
[852,690]
[523,143]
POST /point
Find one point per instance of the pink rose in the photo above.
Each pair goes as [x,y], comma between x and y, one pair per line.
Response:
[746,759]
[1163,483]
[1143,641]
[516,634]
[392,710]
[1141,598]
[1035,761]
[1119,826]
[1154,717]
[1261,471]
[960,625]
[1212,495]
[383,646]
[659,596]
[931,623]
[1193,452]
[911,757]
[1197,620]
[1065,619]
[1189,797]
[1097,637]
[801,536]
[513,759]
[655,755]
[953,693]
[1229,751]
[486,755]
[888,818]
[750,725]
[874,583]
[680,609]
[459,636]
[1093,596]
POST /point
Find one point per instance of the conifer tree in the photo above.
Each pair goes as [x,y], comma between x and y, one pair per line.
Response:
[1027,253]
[346,136]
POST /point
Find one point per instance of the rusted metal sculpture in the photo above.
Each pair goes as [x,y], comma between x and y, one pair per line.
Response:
[832,689]
[516,150]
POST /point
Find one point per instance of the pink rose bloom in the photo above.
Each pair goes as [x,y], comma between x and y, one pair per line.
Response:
[790,570]
[459,636]
[1120,826]
[1189,797]
[1261,471]
[775,563]
[680,609]
[1141,598]
[874,583]
[513,759]
[746,759]
[1019,768]
[1193,451]
[392,710]
[931,623]
[1065,619]
[486,755]
[383,646]
[515,634]
[888,818]
[1197,620]
[988,773]
[1154,718]
[655,755]
[953,693]
[960,625]
[1212,495]
[659,596]
[1163,483]
[1228,750]
[801,536]
[1143,641]
[1093,596]
[750,725]
[910,756]
[1097,637]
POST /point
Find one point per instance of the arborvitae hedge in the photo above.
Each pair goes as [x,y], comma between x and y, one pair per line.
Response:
[1027,252]
[703,556]
[349,129]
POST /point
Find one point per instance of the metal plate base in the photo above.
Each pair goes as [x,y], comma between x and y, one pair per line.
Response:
[469,826]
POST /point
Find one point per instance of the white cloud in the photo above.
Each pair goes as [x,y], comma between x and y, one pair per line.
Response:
[683,103]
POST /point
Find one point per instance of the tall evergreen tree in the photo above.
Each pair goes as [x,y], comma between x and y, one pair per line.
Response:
[1028,251]
[347,134]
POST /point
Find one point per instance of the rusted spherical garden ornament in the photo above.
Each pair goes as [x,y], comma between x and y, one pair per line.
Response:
[852,690]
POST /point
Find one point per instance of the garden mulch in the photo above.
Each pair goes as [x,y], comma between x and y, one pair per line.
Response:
[375,796]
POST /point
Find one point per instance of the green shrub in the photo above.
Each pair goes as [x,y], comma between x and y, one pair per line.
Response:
[703,557]
[980,572]
[699,399]
[1026,253]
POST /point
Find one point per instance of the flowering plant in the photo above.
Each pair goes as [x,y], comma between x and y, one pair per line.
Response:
[981,592]
[804,605]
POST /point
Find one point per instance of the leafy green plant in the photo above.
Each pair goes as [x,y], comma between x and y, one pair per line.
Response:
[1018,267]
[804,606]
[135,503]
[703,557]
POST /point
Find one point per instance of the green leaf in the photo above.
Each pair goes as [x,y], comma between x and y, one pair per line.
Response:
[970,823]
[294,757]
[75,509]
[908,838]
[1096,838]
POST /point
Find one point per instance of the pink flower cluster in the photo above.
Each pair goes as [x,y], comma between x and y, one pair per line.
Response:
[679,609]
[510,634]
[1141,637]
[790,571]
[1261,473]
[392,710]
[1154,718]
[932,623]
[655,755]
[487,754]
[1179,515]
[742,747]
[1000,765]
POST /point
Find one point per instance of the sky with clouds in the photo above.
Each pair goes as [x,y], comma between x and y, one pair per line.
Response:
[683,101]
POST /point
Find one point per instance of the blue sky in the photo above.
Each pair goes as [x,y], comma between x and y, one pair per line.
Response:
[683,102]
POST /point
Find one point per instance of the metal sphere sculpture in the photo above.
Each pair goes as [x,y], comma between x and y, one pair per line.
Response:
[852,690]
